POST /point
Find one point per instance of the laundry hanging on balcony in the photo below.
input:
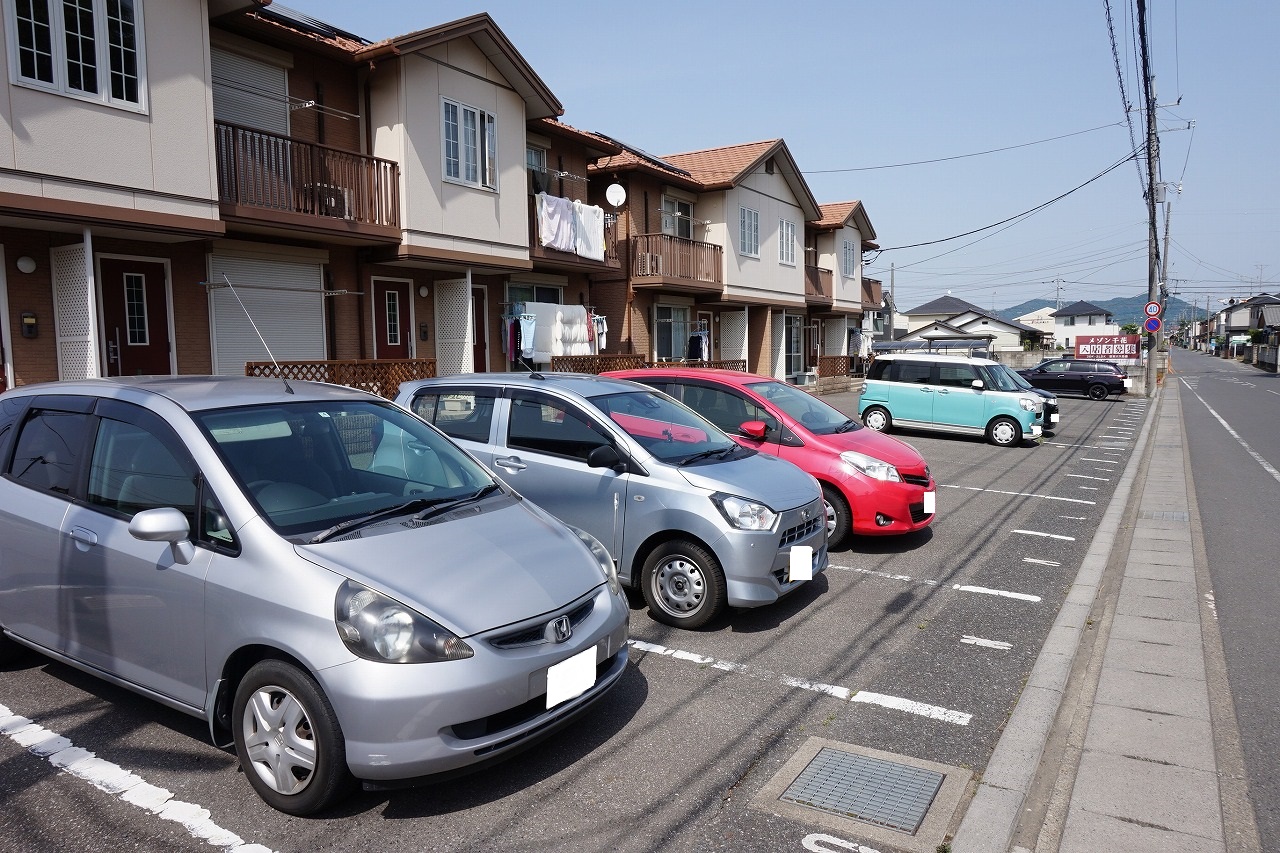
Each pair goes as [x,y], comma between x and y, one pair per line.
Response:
[570,226]
[588,229]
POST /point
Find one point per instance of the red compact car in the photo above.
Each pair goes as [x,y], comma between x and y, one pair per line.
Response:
[872,484]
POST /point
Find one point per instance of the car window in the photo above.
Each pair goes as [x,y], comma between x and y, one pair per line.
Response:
[726,409]
[48,451]
[956,375]
[917,372]
[546,425]
[132,469]
[817,416]
[460,414]
[1056,366]
[997,377]
[668,430]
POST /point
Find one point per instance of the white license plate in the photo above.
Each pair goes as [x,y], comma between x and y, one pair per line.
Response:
[930,503]
[571,678]
[801,563]
[1036,429]
[1054,417]
[1128,383]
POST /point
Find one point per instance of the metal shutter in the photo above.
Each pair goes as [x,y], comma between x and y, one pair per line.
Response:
[249,92]
[285,300]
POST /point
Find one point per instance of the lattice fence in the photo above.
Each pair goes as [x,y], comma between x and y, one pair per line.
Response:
[381,376]
[595,363]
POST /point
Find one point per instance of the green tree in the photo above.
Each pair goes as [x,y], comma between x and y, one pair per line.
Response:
[1129,329]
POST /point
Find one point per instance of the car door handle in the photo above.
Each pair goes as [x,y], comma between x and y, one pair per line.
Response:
[927,390]
[84,536]
[511,464]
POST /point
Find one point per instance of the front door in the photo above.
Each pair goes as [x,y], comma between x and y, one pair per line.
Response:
[391,331]
[479,331]
[135,317]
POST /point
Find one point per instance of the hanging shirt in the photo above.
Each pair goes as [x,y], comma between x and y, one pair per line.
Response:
[555,222]
[588,230]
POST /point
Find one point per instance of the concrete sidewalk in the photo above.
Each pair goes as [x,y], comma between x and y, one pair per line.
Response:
[1124,738]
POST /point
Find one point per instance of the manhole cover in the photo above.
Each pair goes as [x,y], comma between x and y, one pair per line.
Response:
[883,793]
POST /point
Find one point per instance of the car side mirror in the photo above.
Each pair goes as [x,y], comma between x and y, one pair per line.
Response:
[977,385]
[754,429]
[604,456]
[165,524]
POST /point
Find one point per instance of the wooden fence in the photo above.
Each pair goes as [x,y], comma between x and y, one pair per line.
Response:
[378,376]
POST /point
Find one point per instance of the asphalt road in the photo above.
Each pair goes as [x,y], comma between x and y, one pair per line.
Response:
[915,646]
[1231,411]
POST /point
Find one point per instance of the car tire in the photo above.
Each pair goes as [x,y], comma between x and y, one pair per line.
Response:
[288,739]
[1004,432]
[838,520]
[683,584]
[1097,391]
[878,419]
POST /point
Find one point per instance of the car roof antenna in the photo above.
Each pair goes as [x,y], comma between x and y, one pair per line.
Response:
[287,389]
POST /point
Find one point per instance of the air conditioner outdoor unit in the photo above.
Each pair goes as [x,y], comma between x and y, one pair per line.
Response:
[648,263]
[332,201]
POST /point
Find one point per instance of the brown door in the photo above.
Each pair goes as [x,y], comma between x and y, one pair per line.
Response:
[391,319]
[135,317]
[479,331]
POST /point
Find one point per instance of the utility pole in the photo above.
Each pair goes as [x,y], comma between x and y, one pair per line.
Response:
[1153,160]
[893,307]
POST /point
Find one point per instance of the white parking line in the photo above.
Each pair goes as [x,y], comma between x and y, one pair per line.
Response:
[114,779]
[1021,596]
[986,644]
[1018,494]
[886,575]
[1089,488]
[1087,477]
[896,703]
[1103,461]
[1085,446]
[1040,562]
[1048,535]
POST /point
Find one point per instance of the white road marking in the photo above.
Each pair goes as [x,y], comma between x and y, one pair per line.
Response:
[1213,603]
[1089,488]
[896,703]
[986,644]
[886,575]
[1040,562]
[1266,466]
[1087,446]
[114,779]
[1086,477]
[1018,494]
[1048,535]
[1021,596]
[1103,461]
[815,840]
[1277,393]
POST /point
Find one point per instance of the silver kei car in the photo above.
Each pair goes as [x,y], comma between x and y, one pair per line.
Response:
[252,552]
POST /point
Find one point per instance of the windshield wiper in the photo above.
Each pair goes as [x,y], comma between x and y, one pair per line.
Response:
[399,509]
[847,425]
[707,454]
[445,506]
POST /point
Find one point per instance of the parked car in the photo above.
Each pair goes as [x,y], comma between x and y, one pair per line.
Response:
[949,393]
[872,484]
[1095,379]
[330,582]
[1052,414]
[694,520]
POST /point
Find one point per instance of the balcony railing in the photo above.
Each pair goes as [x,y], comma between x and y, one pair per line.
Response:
[872,295]
[379,376]
[272,172]
[817,285]
[539,251]
[665,256]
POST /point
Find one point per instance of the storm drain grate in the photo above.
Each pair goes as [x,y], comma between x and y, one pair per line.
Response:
[880,792]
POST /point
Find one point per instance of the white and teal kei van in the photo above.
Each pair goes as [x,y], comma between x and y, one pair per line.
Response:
[949,393]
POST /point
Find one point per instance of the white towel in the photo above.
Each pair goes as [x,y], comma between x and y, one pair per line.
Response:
[588,229]
[555,222]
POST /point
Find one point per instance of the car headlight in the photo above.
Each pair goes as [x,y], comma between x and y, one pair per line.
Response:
[744,514]
[379,628]
[1029,405]
[601,553]
[871,466]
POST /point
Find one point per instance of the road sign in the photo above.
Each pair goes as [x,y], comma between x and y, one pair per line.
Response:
[1153,309]
[1153,323]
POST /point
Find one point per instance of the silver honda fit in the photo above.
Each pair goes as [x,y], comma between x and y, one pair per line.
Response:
[328,580]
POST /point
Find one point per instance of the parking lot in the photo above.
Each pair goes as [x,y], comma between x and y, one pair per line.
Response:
[917,647]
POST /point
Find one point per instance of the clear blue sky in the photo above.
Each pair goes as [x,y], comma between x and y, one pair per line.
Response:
[856,88]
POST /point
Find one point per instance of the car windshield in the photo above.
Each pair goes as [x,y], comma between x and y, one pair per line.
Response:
[818,417]
[667,429]
[312,465]
[997,377]
[1016,377]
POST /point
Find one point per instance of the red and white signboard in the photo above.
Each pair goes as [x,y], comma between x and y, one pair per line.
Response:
[1109,347]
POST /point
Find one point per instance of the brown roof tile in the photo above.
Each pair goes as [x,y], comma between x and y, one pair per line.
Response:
[721,167]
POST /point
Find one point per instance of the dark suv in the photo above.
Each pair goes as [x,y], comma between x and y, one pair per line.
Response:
[1095,379]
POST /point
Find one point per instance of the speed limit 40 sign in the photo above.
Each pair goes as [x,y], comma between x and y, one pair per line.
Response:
[1153,309]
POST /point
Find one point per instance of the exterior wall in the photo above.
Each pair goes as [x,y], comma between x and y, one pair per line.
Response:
[764,277]
[1039,320]
[760,340]
[406,115]
[314,78]
[57,147]
[1066,335]
[919,321]
[848,283]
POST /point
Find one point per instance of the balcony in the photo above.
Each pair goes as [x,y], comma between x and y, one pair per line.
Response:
[676,263]
[275,183]
[818,287]
[872,294]
[570,187]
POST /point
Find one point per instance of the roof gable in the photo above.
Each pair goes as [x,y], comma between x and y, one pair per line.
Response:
[945,305]
[839,214]
[726,167]
[1079,309]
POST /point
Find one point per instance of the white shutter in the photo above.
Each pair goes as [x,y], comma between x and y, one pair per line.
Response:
[285,300]
[249,92]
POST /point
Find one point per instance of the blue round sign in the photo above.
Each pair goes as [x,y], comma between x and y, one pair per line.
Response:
[1152,324]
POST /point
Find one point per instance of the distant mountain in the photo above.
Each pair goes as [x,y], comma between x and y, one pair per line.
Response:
[1125,309]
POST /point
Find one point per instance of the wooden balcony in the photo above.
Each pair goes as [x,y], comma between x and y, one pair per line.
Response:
[818,286]
[872,295]
[676,263]
[378,376]
[284,183]
[570,187]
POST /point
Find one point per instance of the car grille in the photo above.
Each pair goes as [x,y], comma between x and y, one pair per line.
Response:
[914,479]
[917,513]
[536,635]
[803,530]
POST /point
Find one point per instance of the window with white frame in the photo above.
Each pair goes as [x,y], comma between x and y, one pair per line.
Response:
[749,231]
[135,308]
[786,242]
[851,259]
[677,217]
[393,317]
[91,49]
[470,145]
[534,293]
